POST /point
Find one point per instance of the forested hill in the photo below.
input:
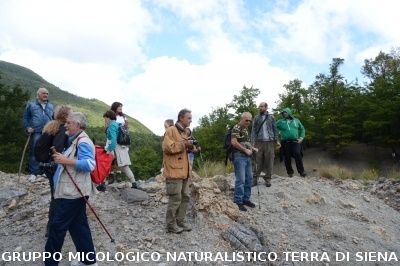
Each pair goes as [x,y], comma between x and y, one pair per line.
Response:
[12,74]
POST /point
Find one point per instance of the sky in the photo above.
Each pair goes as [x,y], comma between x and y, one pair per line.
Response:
[160,56]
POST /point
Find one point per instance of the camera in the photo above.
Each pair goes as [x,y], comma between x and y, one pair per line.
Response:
[51,166]
[195,142]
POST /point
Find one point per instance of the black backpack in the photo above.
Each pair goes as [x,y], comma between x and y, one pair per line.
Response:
[228,145]
[41,150]
[124,137]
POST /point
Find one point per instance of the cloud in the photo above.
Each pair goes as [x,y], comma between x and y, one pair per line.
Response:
[157,57]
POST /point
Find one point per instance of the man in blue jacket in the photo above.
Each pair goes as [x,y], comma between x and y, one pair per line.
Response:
[35,117]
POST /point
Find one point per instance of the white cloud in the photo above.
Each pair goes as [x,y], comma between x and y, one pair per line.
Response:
[320,30]
[102,49]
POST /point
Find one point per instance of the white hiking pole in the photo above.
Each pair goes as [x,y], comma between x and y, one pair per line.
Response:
[258,189]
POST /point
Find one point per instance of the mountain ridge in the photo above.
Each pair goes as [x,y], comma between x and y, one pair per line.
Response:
[12,74]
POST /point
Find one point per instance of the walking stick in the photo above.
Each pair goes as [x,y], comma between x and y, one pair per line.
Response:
[22,158]
[258,189]
[203,163]
[53,149]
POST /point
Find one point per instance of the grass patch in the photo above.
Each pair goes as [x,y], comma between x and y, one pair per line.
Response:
[336,172]
[394,174]
[210,169]
[370,175]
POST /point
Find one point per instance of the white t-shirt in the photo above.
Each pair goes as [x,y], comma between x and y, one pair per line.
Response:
[120,120]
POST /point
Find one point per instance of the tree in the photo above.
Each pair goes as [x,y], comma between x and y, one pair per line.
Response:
[211,131]
[298,100]
[382,125]
[244,102]
[13,101]
[331,97]
[213,127]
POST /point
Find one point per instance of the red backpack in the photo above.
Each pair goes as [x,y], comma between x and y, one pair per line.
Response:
[103,164]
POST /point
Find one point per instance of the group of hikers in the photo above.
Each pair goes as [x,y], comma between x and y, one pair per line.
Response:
[264,135]
[73,159]
[69,169]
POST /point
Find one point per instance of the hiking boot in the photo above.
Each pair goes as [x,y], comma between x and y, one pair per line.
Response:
[175,229]
[249,203]
[101,187]
[118,177]
[290,175]
[304,174]
[267,182]
[184,226]
[110,178]
[241,207]
[134,185]
[78,263]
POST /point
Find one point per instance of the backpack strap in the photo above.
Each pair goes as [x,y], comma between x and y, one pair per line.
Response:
[265,119]
[77,140]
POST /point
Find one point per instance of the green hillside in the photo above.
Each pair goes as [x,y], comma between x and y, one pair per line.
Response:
[93,109]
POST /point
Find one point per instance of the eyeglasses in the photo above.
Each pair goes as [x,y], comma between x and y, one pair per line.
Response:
[261,106]
[248,121]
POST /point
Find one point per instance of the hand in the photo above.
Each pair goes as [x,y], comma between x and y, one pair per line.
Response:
[249,152]
[58,158]
[300,141]
[188,144]
[30,130]
[278,144]
[255,149]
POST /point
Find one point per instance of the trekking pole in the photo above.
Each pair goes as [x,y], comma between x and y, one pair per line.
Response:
[22,158]
[203,163]
[87,202]
[84,197]
[258,189]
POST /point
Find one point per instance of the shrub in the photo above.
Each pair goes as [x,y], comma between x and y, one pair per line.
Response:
[335,172]
[393,174]
[210,169]
[370,175]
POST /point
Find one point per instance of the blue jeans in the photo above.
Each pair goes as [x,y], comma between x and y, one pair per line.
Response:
[33,164]
[243,177]
[70,216]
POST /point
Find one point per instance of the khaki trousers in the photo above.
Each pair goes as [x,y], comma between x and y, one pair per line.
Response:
[264,158]
[178,200]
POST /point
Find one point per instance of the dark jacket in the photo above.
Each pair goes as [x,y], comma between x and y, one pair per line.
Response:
[264,131]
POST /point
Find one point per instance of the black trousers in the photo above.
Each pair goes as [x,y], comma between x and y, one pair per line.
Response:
[292,148]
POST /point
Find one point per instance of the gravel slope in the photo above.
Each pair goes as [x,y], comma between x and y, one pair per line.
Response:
[309,217]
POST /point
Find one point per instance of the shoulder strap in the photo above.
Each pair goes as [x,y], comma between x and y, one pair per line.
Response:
[44,110]
[77,141]
[265,119]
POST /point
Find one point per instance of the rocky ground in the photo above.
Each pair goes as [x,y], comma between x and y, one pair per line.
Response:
[303,221]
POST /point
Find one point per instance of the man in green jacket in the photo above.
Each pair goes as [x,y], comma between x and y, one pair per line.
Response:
[292,133]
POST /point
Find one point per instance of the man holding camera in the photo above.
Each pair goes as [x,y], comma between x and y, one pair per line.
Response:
[242,163]
[177,171]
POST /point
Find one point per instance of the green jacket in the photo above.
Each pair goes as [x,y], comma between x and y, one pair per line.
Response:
[290,129]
